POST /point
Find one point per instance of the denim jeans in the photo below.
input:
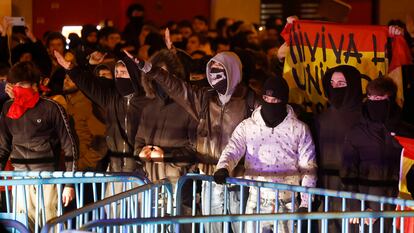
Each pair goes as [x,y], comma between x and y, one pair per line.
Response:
[267,206]
[217,205]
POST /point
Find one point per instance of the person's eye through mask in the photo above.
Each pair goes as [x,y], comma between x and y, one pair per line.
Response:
[217,75]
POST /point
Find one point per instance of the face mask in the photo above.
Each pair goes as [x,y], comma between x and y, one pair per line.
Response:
[337,96]
[218,80]
[273,113]
[124,86]
[24,99]
[378,110]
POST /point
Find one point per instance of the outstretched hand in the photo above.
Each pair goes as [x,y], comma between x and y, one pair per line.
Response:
[394,30]
[62,61]
[96,58]
[4,26]
[167,39]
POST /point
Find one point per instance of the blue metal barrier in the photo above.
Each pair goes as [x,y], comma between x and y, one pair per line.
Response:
[98,224]
[14,225]
[146,201]
[20,182]
[258,191]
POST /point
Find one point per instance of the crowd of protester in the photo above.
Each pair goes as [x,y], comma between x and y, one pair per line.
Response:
[165,101]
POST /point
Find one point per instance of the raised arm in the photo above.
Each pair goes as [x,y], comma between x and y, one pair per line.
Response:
[85,80]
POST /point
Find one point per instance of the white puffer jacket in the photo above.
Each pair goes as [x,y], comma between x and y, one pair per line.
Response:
[284,154]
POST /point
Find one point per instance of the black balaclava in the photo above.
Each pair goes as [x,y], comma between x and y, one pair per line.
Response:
[337,96]
[349,97]
[124,86]
[378,110]
[274,113]
[218,79]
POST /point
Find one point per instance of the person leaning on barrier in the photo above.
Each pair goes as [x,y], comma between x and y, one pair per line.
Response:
[371,154]
[33,130]
[342,85]
[277,147]
[218,109]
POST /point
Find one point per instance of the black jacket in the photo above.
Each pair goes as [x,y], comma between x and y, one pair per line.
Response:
[332,124]
[371,160]
[167,124]
[34,141]
[122,113]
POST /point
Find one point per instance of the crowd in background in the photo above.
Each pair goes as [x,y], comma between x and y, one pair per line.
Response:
[165,101]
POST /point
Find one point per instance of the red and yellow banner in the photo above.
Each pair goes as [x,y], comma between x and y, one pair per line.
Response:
[407,161]
[316,46]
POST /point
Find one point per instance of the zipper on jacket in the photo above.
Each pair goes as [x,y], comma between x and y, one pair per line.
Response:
[126,126]
[221,127]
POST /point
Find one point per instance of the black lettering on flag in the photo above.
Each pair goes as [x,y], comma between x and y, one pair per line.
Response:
[313,81]
[297,80]
[323,44]
[352,46]
[312,50]
[338,51]
[376,59]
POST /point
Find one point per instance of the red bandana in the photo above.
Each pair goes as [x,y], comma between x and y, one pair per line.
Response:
[24,98]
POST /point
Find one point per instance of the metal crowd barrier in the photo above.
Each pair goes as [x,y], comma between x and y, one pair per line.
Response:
[297,224]
[158,214]
[99,185]
[13,226]
[100,224]
[146,201]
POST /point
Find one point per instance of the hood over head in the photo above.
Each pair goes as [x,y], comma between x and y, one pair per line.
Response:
[233,71]
[352,93]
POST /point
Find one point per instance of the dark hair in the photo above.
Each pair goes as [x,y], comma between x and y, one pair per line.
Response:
[88,29]
[217,41]
[106,31]
[201,38]
[100,67]
[24,72]
[382,86]
[4,69]
[134,7]
[201,18]
[53,36]
[184,24]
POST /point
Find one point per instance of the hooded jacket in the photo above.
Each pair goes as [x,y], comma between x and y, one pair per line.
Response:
[283,154]
[122,113]
[216,115]
[332,124]
[35,140]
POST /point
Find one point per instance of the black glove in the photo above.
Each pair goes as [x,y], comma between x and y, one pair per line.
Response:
[410,181]
[220,176]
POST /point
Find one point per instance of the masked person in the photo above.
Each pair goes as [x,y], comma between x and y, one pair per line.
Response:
[371,155]
[121,103]
[33,131]
[218,110]
[342,85]
[166,140]
[285,154]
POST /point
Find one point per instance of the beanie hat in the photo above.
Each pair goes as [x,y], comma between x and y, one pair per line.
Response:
[276,87]
[24,72]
